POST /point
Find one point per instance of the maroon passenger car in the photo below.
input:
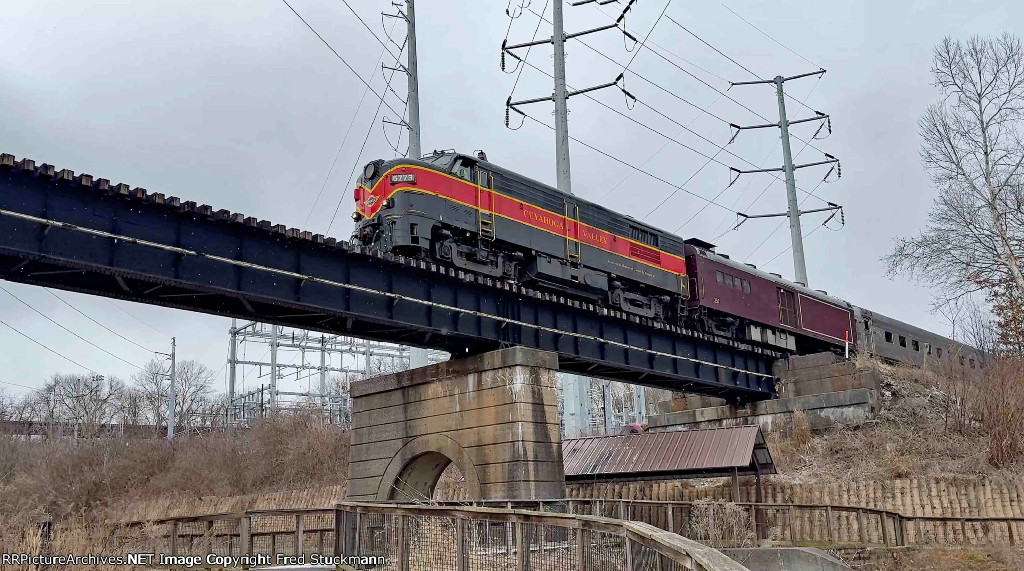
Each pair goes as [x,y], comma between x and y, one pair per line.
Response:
[738,300]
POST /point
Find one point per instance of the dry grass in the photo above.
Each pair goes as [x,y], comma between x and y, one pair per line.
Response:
[80,485]
[945,559]
[919,431]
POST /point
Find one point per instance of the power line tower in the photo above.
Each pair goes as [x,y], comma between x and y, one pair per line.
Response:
[561,95]
[794,212]
[411,69]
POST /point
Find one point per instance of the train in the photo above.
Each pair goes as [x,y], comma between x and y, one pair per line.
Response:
[466,212]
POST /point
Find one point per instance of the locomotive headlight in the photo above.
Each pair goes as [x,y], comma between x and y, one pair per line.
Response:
[403,177]
[370,171]
[356,217]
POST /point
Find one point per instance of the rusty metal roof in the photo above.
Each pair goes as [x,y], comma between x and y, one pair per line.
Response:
[693,453]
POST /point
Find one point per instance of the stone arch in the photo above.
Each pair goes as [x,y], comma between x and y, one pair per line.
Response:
[414,471]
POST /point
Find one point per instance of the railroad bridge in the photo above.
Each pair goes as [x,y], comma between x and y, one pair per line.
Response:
[83,233]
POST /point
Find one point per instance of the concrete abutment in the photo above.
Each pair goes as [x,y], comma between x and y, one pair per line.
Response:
[494,415]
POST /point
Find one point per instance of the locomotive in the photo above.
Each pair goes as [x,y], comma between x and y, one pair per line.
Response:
[463,211]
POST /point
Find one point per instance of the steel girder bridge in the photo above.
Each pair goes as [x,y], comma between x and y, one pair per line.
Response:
[79,233]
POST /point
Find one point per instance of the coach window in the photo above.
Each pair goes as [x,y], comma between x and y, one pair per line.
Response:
[938,352]
[888,336]
[728,281]
[746,286]
[903,341]
[915,345]
[787,308]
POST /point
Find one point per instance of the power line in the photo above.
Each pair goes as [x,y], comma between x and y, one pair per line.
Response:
[344,139]
[26,304]
[630,165]
[649,32]
[67,303]
[765,34]
[526,56]
[359,156]
[126,312]
[712,87]
[55,352]
[730,58]
[338,55]
[718,51]
[721,95]
[372,33]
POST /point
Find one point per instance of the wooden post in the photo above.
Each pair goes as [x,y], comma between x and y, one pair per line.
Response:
[403,547]
[173,548]
[244,543]
[300,533]
[629,554]
[828,522]
[356,548]
[735,484]
[461,562]
[963,530]
[753,522]
[339,532]
[568,507]
[581,550]
[208,537]
[885,528]
[521,546]
[903,532]
[792,532]
[1009,532]
[671,524]
[623,510]
[863,530]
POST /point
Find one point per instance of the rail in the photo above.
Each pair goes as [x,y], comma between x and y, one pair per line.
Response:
[744,523]
[418,537]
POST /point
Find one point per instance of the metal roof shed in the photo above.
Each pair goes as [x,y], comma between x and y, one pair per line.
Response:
[727,452]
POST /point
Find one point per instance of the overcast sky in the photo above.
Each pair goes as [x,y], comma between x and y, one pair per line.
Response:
[238,105]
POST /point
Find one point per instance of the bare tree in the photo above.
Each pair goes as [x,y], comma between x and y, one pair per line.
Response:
[193,393]
[973,151]
[86,403]
[152,384]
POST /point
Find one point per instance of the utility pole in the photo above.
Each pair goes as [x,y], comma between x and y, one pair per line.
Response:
[273,369]
[411,70]
[561,95]
[414,83]
[232,366]
[172,393]
[561,101]
[793,212]
[797,237]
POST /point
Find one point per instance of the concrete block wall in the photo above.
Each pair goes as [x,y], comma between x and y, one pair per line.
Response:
[494,415]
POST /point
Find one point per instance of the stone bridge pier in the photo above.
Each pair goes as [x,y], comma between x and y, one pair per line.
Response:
[494,415]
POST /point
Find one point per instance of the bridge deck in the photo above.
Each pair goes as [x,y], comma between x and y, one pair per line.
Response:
[81,233]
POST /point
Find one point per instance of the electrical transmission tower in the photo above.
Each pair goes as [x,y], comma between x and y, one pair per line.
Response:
[293,356]
[411,69]
[561,95]
[794,212]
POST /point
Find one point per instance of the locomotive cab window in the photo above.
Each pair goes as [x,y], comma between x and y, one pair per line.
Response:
[463,169]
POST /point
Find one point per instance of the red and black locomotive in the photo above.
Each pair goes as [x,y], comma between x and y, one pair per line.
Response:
[466,212]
